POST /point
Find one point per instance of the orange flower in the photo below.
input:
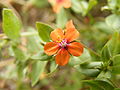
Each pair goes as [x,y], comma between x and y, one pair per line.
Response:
[58,4]
[63,44]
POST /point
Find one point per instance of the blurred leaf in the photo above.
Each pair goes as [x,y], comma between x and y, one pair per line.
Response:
[113,21]
[99,85]
[105,54]
[41,56]
[39,3]
[116,64]
[79,6]
[114,44]
[85,57]
[44,31]
[11,24]
[20,67]
[33,42]
[89,69]
[53,67]
[117,89]
[104,75]
[91,4]
[114,4]
[61,18]
[37,69]
[19,54]
[103,27]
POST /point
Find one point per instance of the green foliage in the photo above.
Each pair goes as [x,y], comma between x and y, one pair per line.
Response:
[38,3]
[116,64]
[99,85]
[11,24]
[106,54]
[61,18]
[37,70]
[44,31]
[113,21]
[79,6]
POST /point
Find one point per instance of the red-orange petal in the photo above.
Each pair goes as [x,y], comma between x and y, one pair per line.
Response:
[51,48]
[71,34]
[75,48]
[70,24]
[62,57]
[57,35]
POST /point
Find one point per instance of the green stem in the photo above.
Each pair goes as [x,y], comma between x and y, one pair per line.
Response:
[25,34]
[92,51]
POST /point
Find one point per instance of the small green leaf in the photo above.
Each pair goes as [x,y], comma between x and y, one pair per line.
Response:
[39,4]
[61,18]
[106,54]
[44,31]
[99,85]
[113,21]
[85,57]
[52,68]
[116,64]
[37,69]
[41,56]
[91,4]
[89,71]
[79,6]
[11,24]
[33,42]
[114,44]
[19,54]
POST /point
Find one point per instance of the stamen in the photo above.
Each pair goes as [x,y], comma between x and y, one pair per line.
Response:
[63,43]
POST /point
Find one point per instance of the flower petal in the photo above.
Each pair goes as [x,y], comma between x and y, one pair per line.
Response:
[71,34]
[67,3]
[51,48]
[62,57]
[75,48]
[57,35]
[70,24]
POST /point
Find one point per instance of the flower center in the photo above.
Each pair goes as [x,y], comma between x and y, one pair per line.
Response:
[63,43]
[59,1]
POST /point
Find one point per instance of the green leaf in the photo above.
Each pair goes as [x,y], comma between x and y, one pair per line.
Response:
[85,57]
[113,21]
[114,44]
[62,18]
[53,67]
[41,56]
[99,85]
[79,6]
[11,24]
[116,64]
[19,54]
[91,4]
[44,31]
[37,69]
[33,42]
[104,75]
[89,69]
[39,3]
[106,54]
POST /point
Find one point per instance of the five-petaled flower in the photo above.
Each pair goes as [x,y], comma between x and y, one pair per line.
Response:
[58,4]
[64,44]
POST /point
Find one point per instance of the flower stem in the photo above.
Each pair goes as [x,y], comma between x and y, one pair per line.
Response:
[25,34]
